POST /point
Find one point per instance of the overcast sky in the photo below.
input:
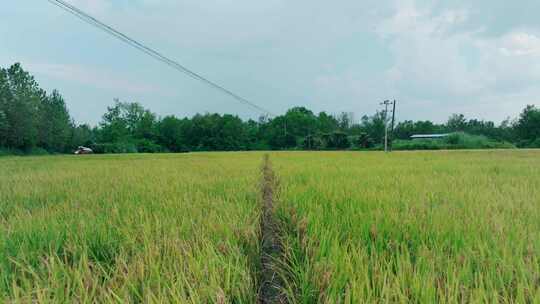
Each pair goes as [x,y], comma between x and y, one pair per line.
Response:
[480,58]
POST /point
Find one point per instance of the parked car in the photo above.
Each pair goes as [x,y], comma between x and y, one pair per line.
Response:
[83,150]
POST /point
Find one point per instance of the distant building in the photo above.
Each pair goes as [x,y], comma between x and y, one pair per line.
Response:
[429,136]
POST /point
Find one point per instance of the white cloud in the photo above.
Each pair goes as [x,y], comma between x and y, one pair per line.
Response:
[97,78]
[427,52]
[520,44]
[436,60]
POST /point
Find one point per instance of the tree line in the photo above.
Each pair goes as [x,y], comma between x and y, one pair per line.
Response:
[33,121]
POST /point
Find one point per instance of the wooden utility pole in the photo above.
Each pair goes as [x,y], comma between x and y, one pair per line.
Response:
[392,129]
[386,103]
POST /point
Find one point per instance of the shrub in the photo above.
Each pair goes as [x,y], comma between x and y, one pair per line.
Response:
[363,141]
[425,144]
[467,141]
[8,152]
[453,141]
[529,144]
[312,142]
[336,140]
[148,146]
[258,146]
[36,151]
[31,151]
[114,148]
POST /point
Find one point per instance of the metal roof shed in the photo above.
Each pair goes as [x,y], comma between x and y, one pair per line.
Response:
[429,136]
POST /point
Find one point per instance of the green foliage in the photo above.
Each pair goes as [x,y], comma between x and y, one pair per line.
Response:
[467,141]
[336,141]
[21,102]
[534,144]
[82,135]
[312,142]
[9,152]
[328,141]
[36,151]
[364,141]
[171,133]
[457,123]
[405,129]
[126,121]
[148,146]
[327,123]
[211,132]
[528,126]
[373,126]
[453,141]
[117,147]
[30,118]
[55,126]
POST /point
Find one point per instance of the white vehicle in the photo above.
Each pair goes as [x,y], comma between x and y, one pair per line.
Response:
[83,150]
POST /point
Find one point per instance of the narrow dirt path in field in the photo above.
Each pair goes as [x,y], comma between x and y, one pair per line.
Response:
[271,289]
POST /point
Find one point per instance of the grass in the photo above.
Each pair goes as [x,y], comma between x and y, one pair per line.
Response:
[422,227]
[356,227]
[141,228]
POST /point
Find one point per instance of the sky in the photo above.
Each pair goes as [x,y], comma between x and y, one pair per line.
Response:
[480,58]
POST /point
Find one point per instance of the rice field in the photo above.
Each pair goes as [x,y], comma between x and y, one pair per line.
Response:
[354,227]
[420,227]
[131,228]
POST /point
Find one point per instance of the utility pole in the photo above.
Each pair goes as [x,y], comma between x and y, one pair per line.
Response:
[392,129]
[386,103]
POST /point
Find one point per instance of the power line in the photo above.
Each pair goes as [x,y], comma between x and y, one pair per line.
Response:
[153,53]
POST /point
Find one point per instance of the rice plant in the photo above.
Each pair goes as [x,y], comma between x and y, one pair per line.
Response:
[412,227]
[353,227]
[135,228]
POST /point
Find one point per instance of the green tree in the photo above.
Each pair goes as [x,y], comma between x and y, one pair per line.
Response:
[82,135]
[300,122]
[276,133]
[364,141]
[22,97]
[114,125]
[170,134]
[55,125]
[233,133]
[374,126]
[528,125]
[312,142]
[337,140]
[254,135]
[125,122]
[344,121]
[4,98]
[457,123]
[326,123]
